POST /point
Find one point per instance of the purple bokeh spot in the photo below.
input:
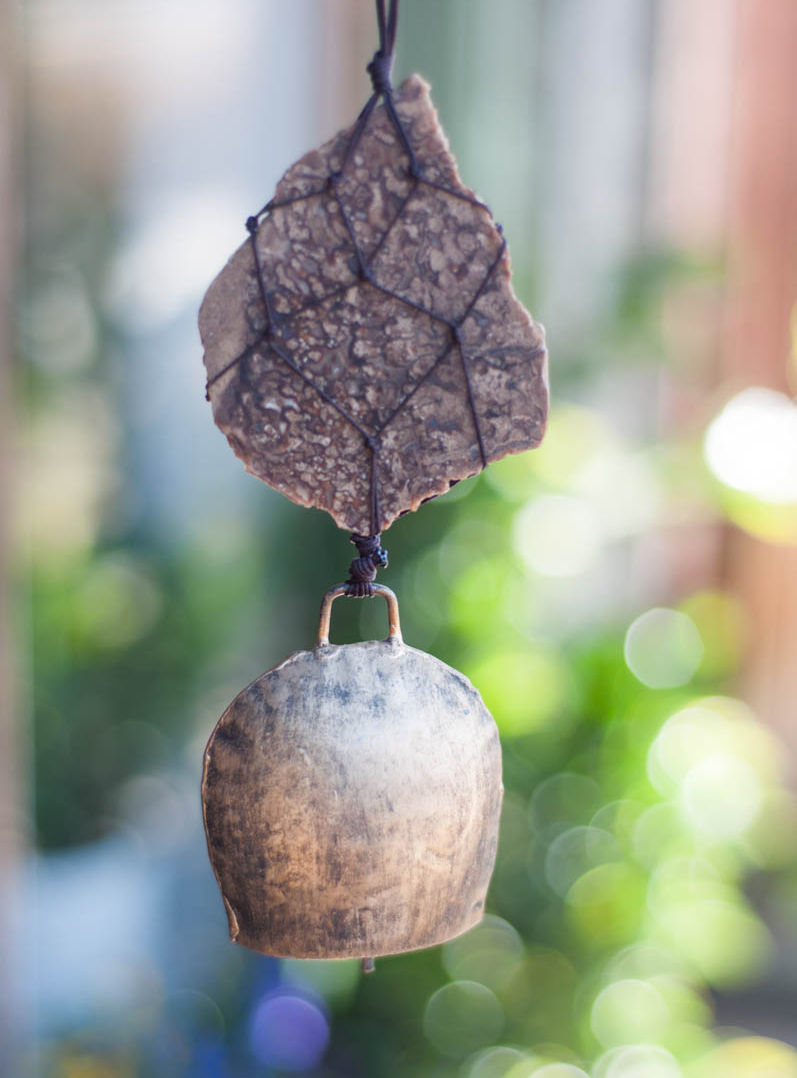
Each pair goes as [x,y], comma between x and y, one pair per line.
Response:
[288,1031]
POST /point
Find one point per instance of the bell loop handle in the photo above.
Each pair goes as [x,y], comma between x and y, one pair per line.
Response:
[394,627]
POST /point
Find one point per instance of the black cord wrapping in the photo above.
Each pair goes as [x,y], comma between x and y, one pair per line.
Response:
[371,554]
[362,571]
[381,66]
[380,69]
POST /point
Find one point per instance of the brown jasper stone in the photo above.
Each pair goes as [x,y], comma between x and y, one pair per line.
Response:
[375,305]
[351,799]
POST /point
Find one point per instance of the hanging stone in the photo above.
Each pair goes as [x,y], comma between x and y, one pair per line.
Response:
[364,347]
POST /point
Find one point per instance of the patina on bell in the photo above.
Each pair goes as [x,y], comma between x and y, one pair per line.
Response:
[351,799]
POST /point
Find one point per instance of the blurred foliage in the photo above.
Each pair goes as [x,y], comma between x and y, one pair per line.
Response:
[638,800]
[641,799]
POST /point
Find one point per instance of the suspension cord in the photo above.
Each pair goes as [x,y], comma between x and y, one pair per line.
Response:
[381,65]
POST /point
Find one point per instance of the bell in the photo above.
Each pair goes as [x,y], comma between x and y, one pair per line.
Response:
[351,798]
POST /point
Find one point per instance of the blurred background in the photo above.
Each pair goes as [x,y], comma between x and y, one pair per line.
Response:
[625,597]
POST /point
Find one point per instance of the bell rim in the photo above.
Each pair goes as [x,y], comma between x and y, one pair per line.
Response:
[356,954]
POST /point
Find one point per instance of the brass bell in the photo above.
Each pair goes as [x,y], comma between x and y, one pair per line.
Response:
[351,798]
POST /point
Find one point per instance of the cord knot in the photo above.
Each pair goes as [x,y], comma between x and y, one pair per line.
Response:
[363,569]
[380,70]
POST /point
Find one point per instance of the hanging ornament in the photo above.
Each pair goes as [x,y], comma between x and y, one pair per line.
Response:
[351,800]
[364,352]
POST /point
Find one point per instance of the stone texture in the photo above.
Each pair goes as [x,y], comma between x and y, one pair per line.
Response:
[397,372]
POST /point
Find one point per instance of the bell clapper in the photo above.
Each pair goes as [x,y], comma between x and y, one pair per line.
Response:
[368,965]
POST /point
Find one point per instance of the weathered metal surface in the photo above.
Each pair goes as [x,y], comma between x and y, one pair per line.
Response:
[393,298]
[351,798]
